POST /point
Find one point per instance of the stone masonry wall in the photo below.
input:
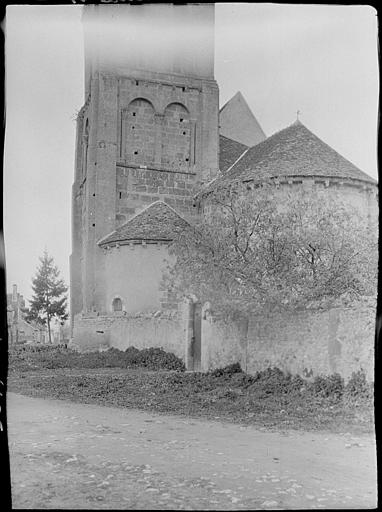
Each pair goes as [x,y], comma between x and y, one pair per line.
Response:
[138,137]
[308,343]
[176,137]
[93,333]
[137,188]
[163,152]
[134,274]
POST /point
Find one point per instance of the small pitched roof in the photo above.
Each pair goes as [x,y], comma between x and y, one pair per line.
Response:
[230,151]
[237,122]
[156,222]
[293,151]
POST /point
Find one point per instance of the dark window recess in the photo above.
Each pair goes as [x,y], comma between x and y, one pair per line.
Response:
[186,159]
[117,305]
[183,89]
[135,152]
[134,114]
[93,225]
[184,133]
[181,120]
[133,127]
[93,195]
[136,82]
[120,195]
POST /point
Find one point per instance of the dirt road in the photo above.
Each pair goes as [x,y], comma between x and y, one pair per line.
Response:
[67,455]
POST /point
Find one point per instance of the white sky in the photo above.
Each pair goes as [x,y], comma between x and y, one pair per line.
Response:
[319,59]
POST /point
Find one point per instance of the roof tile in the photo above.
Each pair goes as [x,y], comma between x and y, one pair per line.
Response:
[156,222]
[293,151]
[230,150]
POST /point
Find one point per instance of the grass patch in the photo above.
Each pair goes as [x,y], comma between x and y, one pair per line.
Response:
[270,399]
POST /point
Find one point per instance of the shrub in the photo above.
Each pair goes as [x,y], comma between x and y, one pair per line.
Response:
[45,356]
[227,371]
[358,388]
[331,386]
[153,359]
[297,382]
[273,380]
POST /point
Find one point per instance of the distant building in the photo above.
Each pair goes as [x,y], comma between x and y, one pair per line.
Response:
[19,330]
[59,332]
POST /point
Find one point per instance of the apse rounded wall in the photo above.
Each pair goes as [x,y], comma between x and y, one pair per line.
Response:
[134,275]
[362,196]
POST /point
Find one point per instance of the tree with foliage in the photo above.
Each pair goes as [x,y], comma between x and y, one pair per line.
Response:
[49,300]
[264,250]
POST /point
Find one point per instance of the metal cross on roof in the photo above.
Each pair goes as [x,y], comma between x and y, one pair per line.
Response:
[298,113]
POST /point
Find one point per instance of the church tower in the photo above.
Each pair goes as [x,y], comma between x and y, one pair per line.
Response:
[148,130]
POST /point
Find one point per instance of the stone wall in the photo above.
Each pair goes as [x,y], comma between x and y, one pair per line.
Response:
[168,122]
[138,136]
[355,194]
[134,275]
[92,333]
[176,137]
[137,188]
[307,343]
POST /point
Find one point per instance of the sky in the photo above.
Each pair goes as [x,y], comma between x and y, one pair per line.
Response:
[319,59]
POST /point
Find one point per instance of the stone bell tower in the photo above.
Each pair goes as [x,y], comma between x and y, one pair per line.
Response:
[148,130]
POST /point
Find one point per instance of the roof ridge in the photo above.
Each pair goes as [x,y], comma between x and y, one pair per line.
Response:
[171,208]
[239,158]
[232,97]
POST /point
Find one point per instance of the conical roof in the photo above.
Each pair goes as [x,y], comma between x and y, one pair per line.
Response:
[237,122]
[293,151]
[157,222]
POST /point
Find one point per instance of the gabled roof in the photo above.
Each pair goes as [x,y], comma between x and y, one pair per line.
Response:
[230,151]
[157,222]
[293,151]
[237,122]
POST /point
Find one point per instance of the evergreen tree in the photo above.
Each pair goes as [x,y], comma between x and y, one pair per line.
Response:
[49,299]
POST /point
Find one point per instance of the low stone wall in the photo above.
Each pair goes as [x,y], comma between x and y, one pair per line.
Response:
[92,333]
[340,340]
[221,343]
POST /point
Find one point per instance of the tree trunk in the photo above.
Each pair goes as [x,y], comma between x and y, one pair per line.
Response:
[48,322]
[244,324]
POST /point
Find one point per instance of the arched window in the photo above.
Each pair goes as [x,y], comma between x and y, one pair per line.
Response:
[117,304]
[176,137]
[138,132]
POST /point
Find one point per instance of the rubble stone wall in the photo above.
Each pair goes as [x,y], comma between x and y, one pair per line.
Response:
[340,340]
[93,333]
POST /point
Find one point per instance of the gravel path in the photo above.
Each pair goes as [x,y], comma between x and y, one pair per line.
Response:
[68,455]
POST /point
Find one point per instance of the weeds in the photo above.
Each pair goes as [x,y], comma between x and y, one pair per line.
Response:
[270,398]
[26,358]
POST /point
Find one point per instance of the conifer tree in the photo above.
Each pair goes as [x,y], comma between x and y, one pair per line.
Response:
[49,299]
